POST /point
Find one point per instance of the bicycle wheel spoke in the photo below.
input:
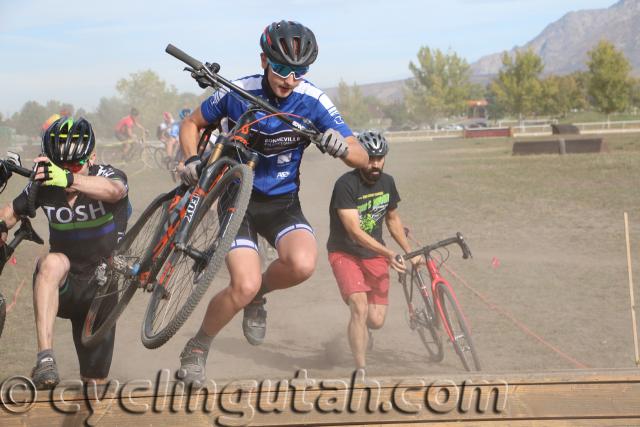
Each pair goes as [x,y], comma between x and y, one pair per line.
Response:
[457,329]
[113,296]
[189,267]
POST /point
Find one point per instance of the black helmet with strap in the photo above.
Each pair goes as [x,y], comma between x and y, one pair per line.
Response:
[289,43]
[374,142]
[68,140]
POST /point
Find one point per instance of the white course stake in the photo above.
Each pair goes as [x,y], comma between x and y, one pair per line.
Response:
[633,304]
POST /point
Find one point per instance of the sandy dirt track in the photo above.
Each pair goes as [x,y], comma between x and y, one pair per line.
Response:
[553,224]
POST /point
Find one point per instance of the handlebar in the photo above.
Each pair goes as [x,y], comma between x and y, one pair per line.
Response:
[209,75]
[25,232]
[17,169]
[459,240]
[12,165]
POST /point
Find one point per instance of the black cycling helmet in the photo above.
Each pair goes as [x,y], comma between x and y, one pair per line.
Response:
[184,113]
[289,43]
[374,142]
[68,140]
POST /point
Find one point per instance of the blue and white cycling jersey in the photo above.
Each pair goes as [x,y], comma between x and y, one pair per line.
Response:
[279,147]
[174,130]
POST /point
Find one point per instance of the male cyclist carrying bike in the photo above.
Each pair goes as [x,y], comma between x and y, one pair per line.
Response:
[124,130]
[288,49]
[87,209]
[360,260]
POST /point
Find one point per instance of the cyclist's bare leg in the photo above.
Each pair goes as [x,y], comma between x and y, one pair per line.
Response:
[357,329]
[126,147]
[296,262]
[52,270]
[172,144]
[377,314]
[244,269]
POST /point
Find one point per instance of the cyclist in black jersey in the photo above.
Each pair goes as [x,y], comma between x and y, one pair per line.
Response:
[87,207]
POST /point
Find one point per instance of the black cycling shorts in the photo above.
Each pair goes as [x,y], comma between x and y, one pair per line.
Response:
[74,300]
[271,217]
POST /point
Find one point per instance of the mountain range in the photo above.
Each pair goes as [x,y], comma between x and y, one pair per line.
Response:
[562,45]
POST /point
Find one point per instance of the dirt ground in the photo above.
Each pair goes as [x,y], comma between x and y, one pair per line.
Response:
[547,235]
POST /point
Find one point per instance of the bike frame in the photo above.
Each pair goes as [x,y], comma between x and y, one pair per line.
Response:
[436,277]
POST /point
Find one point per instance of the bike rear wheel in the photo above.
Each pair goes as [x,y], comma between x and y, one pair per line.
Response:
[426,322]
[147,155]
[112,298]
[160,158]
[3,312]
[183,280]
[457,329]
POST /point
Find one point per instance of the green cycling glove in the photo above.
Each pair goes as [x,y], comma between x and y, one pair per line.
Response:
[57,177]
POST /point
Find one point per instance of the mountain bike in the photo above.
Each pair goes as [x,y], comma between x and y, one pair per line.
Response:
[435,308]
[25,231]
[180,241]
[141,151]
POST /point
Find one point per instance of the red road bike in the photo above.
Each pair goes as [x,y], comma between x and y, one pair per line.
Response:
[430,316]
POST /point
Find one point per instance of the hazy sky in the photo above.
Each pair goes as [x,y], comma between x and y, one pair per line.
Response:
[75,51]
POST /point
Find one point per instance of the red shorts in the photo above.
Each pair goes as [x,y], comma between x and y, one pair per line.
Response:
[370,275]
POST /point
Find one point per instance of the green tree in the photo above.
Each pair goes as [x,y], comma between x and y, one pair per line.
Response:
[560,95]
[149,94]
[440,86]
[635,93]
[29,119]
[609,80]
[104,119]
[397,112]
[352,105]
[518,88]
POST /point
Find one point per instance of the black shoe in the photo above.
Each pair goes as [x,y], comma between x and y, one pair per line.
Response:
[254,322]
[45,374]
[193,361]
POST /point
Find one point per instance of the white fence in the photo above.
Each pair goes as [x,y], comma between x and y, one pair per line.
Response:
[524,129]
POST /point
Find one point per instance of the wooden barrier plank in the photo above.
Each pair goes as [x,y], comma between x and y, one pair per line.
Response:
[488,133]
[570,398]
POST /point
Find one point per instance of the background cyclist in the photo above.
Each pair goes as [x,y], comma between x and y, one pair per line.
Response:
[288,49]
[174,134]
[86,206]
[124,130]
[361,200]
[162,133]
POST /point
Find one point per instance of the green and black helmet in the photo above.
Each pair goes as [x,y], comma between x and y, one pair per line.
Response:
[68,140]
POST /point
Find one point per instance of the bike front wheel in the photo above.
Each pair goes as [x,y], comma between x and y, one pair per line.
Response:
[187,272]
[111,299]
[424,318]
[456,327]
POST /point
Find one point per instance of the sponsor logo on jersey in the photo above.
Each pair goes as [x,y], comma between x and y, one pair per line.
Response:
[282,175]
[80,213]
